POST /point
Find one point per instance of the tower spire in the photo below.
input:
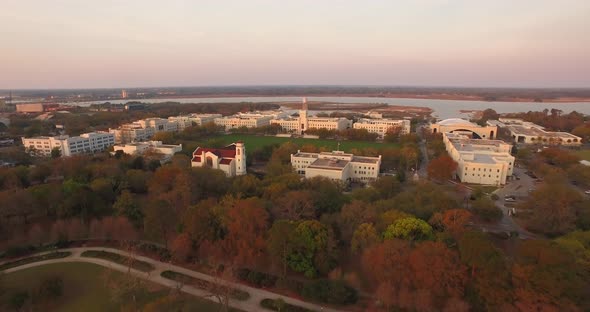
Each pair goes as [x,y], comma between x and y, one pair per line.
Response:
[304,106]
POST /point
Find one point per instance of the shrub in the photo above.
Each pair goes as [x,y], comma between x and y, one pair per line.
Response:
[334,292]
[280,305]
[255,278]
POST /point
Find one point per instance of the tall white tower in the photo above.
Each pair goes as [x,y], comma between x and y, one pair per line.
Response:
[303,116]
[240,158]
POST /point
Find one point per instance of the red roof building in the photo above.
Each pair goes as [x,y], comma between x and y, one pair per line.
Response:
[230,159]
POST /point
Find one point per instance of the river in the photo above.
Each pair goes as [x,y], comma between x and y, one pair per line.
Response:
[442,108]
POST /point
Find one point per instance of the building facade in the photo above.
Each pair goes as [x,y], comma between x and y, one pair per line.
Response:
[337,165]
[487,162]
[86,143]
[230,159]
[529,133]
[248,120]
[380,126]
[462,126]
[303,122]
[139,148]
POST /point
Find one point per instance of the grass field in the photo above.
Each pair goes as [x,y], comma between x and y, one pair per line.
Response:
[584,154]
[254,142]
[85,289]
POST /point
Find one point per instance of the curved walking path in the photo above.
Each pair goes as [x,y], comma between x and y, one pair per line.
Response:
[251,304]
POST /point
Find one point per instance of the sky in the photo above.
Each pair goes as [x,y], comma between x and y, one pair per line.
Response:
[148,43]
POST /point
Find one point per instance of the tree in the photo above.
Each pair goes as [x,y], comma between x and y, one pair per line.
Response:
[554,208]
[441,168]
[313,250]
[247,225]
[387,186]
[203,222]
[392,134]
[409,229]
[127,207]
[295,205]
[181,247]
[55,152]
[364,237]
[159,221]
[351,216]
[456,220]
[486,209]
[281,242]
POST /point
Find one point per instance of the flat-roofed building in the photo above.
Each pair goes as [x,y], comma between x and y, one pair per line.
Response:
[381,126]
[248,120]
[36,107]
[144,129]
[529,133]
[86,143]
[487,162]
[140,148]
[201,119]
[462,126]
[337,165]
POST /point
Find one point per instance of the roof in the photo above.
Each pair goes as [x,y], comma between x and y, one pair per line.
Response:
[456,122]
[330,164]
[225,161]
[220,152]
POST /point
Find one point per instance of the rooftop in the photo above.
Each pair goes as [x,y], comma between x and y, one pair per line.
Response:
[456,122]
[330,164]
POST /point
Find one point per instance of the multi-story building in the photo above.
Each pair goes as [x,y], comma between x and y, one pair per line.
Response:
[36,107]
[201,119]
[380,126]
[303,122]
[248,120]
[337,165]
[144,129]
[139,148]
[486,162]
[529,133]
[230,159]
[86,143]
[462,126]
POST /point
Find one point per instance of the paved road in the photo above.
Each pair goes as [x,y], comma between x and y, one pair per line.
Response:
[520,189]
[252,304]
[422,144]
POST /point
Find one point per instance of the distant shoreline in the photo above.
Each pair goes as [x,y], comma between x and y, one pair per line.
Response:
[387,96]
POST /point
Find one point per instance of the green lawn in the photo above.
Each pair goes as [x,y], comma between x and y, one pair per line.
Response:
[584,154]
[85,289]
[254,142]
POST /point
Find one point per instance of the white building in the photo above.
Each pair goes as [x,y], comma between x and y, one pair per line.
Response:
[380,126]
[144,129]
[486,162]
[337,165]
[529,133]
[201,119]
[230,159]
[248,120]
[462,126]
[139,148]
[86,143]
[303,122]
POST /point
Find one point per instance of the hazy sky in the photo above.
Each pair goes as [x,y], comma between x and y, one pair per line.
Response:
[124,43]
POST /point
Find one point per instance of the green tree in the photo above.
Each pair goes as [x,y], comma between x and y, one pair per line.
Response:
[128,207]
[410,229]
[55,152]
[314,249]
[281,243]
[364,236]
[159,222]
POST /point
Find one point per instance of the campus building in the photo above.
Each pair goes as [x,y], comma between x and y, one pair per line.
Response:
[139,148]
[230,159]
[337,165]
[36,107]
[380,126]
[487,162]
[248,120]
[300,124]
[529,133]
[462,126]
[86,143]
[144,129]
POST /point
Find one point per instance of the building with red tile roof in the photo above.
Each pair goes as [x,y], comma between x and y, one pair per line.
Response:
[230,159]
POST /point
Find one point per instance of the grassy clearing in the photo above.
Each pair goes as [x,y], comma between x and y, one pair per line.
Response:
[584,154]
[48,256]
[276,305]
[101,254]
[85,290]
[202,284]
[254,142]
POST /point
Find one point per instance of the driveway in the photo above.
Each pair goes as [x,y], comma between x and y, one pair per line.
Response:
[251,304]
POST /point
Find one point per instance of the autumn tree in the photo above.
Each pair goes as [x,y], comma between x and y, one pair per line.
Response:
[281,243]
[409,229]
[456,220]
[363,237]
[247,225]
[294,205]
[159,221]
[441,168]
[181,247]
[351,216]
[203,222]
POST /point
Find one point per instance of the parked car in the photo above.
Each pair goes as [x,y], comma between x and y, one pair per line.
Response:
[587,192]
[510,198]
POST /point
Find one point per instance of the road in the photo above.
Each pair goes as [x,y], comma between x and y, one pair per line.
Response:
[520,189]
[251,304]
[422,173]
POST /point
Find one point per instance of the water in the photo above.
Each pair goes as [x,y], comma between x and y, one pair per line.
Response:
[442,108]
